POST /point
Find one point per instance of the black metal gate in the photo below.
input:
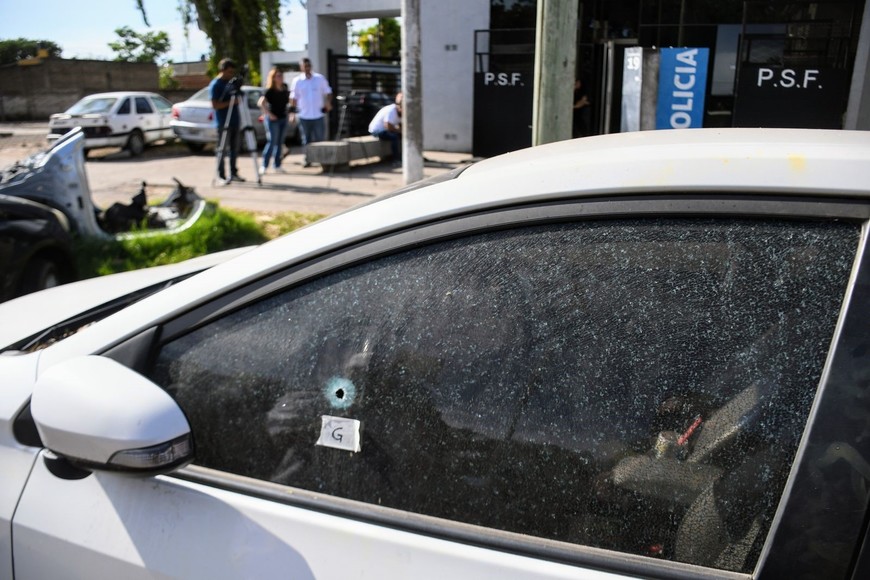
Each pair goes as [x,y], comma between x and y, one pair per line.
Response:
[795,63]
[360,86]
[504,64]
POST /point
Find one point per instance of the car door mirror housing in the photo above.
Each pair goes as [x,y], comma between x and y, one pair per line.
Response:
[99,414]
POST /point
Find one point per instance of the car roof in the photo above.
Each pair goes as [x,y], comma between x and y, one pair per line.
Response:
[819,162]
[745,161]
[119,94]
[748,161]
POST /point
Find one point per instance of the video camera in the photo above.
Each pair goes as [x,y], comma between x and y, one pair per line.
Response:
[237,81]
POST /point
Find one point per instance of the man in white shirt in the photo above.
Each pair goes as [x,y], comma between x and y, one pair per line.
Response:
[387,126]
[310,100]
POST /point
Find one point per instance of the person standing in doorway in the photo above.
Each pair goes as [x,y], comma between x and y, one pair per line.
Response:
[222,93]
[310,100]
[274,106]
[582,113]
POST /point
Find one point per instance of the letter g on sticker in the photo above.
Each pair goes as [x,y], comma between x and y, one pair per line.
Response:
[339,433]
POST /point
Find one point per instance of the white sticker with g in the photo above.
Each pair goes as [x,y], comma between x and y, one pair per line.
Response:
[339,433]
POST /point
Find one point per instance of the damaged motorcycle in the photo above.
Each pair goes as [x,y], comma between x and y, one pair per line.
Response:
[57,178]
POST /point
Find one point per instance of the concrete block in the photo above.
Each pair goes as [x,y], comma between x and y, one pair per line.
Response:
[329,153]
[365,147]
[339,154]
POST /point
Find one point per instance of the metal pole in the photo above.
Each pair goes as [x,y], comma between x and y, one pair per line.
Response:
[412,89]
[555,64]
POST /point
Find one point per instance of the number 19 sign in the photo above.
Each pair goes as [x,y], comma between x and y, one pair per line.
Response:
[682,86]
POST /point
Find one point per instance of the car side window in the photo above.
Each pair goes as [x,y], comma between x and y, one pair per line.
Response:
[635,385]
[253,97]
[143,107]
[124,109]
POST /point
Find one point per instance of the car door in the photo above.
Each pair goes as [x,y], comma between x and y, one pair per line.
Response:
[164,112]
[602,389]
[147,119]
[123,120]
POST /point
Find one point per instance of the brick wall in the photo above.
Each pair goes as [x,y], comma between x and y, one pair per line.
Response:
[35,91]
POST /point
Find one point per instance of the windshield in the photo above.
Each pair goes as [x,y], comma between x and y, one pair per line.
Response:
[201,95]
[92,105]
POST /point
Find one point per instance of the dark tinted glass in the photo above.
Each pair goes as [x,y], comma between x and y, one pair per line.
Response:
[636,385]
[143,106]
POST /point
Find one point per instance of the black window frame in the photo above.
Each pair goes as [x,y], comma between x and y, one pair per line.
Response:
[852,332]
[126,107]
[147,102]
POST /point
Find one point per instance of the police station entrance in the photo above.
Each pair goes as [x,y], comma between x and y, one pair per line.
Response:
[754,63]
[699,63]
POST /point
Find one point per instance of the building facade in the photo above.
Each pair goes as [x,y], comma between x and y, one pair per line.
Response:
[765,63]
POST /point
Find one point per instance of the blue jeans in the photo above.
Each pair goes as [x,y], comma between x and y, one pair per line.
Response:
[312,130]
[394,139]
[275,131]
[231,146]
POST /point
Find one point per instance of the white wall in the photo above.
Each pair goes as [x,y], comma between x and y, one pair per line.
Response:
[447,54]
[288,59]
[447,57]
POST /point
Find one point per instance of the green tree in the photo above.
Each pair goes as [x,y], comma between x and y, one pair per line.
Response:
[382,39]
[133,46]
[238,29]
[15,49]
[167,81]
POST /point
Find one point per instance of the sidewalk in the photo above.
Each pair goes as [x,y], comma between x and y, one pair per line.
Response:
[114,176]
[313,190]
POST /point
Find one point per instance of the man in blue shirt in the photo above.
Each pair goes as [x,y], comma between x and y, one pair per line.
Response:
[221,92]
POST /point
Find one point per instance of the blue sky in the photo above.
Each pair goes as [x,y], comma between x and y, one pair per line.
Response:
[83,29]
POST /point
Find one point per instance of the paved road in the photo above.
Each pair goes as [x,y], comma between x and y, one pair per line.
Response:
[114,176]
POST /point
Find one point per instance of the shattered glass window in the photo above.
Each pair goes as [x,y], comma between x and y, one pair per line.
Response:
[634,385]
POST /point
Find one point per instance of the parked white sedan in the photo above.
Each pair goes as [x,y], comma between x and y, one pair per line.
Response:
[193,120]
[640,355]
[125,119]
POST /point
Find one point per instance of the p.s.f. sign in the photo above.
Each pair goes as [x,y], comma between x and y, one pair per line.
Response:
[682,86]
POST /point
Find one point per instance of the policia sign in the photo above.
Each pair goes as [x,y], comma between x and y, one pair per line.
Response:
[682,86]
[810,98]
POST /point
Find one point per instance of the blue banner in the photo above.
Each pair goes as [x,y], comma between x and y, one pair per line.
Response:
[682,86]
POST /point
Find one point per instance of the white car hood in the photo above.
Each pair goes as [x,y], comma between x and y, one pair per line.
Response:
[27,315]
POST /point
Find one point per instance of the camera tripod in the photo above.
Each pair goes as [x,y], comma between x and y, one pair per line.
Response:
[246,129]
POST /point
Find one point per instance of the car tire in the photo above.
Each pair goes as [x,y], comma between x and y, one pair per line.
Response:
[40,273]
[195,147]
[135,144]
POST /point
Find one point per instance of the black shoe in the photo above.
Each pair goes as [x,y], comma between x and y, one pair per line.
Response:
[237,177]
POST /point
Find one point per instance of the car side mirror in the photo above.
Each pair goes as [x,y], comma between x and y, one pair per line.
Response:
[98,414]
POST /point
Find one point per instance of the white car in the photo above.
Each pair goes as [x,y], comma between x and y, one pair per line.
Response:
[631,356]
[193,120]
[127,119]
